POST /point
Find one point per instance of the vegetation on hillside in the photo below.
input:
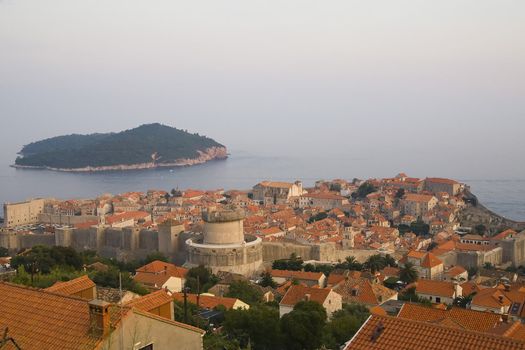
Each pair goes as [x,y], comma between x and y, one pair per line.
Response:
[133,146]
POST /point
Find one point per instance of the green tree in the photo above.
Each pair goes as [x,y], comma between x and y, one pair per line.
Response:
[294,263]
[3,252]
[213,341]
[344,324]
[303,327]
[110,278]
[350,263]
[155,256]
[375,263]
[463,301]
[390,261]
[472,271]
[431,246]
[244,291]
[408,273]
[364,190]
[336,187]
[480,229]
[488,266]
[200,279]
[317,217]
[42,259]
[258,326]
[267,280]
[420,228]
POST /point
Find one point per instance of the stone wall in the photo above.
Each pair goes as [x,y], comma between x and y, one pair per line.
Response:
[69,220]
[321,252]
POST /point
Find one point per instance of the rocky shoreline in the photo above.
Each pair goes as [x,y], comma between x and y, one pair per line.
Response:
[212,153]
[476,213]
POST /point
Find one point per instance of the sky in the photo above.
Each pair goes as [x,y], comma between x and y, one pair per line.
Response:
[433,84]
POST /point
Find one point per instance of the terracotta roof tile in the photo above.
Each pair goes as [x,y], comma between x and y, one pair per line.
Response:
[301,275]
[207,301]
[468,319]
[431,287]
[385,332]
[297,293]
[151,301]
[39,319]
[72,287]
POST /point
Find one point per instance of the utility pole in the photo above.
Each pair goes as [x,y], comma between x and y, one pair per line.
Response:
[198,292]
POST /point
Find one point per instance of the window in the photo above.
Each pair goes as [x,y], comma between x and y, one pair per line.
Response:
[147,347]
[438,300]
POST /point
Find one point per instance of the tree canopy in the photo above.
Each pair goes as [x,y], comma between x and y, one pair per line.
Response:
[132,146]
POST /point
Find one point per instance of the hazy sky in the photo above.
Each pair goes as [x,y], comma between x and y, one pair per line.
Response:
[437,84]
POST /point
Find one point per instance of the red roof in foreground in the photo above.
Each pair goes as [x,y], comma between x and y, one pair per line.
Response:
[74,286]
[39,319]
[385,332]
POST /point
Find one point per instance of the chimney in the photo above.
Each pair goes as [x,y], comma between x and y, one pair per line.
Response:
[307,297]
[99,317]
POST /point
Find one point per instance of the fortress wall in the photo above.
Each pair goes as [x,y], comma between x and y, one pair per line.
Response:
[321,252]
[57,219]
[148,240]
[31,240]
[81,239]
[279,250]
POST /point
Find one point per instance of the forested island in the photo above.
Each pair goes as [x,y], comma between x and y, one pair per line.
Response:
[144,147]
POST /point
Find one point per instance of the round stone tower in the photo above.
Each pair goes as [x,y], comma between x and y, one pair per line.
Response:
[223,246]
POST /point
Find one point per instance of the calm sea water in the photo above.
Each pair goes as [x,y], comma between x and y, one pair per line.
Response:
[240,171]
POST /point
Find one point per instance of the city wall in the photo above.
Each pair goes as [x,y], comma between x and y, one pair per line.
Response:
[321,252]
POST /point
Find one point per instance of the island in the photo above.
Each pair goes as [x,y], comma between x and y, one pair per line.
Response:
[145,147]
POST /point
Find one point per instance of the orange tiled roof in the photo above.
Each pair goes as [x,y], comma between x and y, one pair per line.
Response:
[403,334]
[431,260]
[206,301]
[514,330]
[431,287]
[361,290]
[39,319]
[156,273]
[467,319]
[276,184]
[491,297]
[150,301]
[297,293]
[412,197]
[441,180]
[300,275]
[74,286]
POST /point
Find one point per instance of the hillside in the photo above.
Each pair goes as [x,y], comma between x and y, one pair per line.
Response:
[147,146]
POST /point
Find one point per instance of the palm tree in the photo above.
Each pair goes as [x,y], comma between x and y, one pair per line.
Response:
[352,264]
[375,263]
[408,273]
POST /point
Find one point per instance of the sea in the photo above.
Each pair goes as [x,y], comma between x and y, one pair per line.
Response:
[241,170]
